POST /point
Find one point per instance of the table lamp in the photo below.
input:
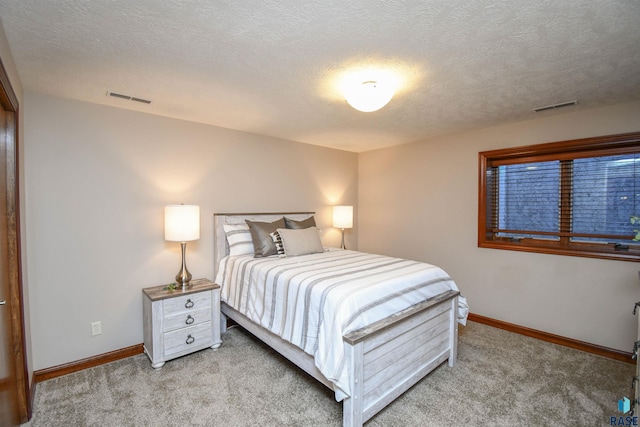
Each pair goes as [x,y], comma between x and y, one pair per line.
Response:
[343,218]
[182,224]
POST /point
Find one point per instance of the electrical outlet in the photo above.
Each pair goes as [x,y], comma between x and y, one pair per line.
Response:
[96,328]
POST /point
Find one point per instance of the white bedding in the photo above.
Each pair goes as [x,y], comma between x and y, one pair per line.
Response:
[312,300]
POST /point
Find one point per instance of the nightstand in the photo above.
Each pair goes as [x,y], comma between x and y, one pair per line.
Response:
[180,322]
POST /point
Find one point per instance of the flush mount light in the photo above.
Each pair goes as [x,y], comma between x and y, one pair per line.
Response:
[369,95]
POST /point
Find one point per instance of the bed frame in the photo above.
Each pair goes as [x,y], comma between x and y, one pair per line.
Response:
[384,359]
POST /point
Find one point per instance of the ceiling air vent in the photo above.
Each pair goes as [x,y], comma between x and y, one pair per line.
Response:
[553,107]
[128,97]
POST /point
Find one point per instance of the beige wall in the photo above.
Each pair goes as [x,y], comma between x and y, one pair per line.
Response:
[97,179]
[420,201]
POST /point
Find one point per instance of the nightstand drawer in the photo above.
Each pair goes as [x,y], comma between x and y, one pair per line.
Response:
[187,302]
[186,339]
[187,318]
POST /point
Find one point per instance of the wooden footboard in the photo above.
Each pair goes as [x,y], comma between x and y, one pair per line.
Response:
[389,356]
[386,358]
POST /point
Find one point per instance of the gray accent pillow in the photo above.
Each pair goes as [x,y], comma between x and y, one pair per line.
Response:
[297,225]
[261,236]
[302,241]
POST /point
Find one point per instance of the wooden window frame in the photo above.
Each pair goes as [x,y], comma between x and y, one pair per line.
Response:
[628,143]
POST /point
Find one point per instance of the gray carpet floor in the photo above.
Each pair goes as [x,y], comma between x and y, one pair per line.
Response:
[501,379]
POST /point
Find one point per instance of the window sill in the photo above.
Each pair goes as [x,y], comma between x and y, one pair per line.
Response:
[601,253]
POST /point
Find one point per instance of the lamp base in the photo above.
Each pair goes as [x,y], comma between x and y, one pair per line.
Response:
[183,277]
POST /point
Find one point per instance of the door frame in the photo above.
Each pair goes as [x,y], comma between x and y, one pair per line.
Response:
[9,102]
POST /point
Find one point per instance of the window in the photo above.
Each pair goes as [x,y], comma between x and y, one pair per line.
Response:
[571,198]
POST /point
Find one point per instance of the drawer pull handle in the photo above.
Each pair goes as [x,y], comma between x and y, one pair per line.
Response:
[189,320]
[190,339]
[189,304]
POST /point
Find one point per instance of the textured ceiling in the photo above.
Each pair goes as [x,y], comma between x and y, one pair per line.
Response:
[271,67]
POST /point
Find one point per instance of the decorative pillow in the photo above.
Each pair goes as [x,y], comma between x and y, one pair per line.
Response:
[301,241]
[260,234]
[239,239]
[296,225]
[275,236]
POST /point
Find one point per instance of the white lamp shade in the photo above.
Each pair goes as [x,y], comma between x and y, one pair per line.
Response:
[369,96]
[343,216]
[181,223]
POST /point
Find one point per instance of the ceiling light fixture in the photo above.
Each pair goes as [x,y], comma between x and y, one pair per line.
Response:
[368,96]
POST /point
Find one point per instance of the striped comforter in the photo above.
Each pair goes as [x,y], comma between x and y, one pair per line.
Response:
[311,301]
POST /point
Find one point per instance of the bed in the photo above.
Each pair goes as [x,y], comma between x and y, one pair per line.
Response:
[381,354]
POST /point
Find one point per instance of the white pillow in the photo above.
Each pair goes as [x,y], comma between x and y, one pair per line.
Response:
[300,242]
[239,239]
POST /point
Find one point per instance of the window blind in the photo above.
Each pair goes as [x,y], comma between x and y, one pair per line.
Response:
[601,194]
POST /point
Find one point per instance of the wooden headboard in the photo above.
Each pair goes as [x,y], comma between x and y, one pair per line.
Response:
[220,244]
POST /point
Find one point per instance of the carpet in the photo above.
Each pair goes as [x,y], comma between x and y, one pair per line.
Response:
[500,379]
